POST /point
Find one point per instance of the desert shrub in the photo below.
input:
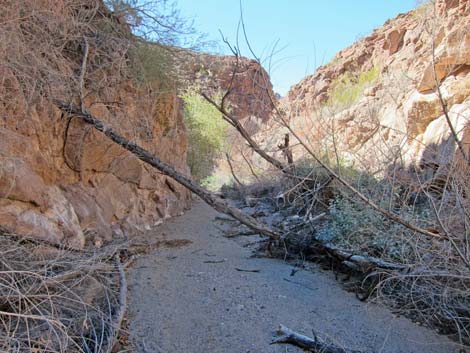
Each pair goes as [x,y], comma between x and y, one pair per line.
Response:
[423,9]
[55,300]
[354,226]
[41,44]
[206,134]
[155,65]
[348,88]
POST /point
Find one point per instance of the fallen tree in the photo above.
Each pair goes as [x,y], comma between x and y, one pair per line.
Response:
[210,198]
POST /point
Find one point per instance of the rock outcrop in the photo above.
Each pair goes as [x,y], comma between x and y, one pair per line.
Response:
[397,111]
[60,180]
[250,86]
[69,188]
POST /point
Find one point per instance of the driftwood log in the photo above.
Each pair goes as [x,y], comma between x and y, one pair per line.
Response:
[286,335]
[210,198]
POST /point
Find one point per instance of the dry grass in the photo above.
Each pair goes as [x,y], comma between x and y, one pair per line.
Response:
[41,44]
[55,300]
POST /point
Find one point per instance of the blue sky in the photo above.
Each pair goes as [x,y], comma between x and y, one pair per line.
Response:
[310,31]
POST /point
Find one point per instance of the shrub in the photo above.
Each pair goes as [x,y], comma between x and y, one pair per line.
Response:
[424,8]
[154,64]
[355,226]
[206,134]
[349,87]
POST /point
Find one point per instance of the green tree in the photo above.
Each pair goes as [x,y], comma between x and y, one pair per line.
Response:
[207,132]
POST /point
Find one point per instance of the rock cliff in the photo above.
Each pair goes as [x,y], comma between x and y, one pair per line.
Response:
[249,84]
[380,97]
[60,180]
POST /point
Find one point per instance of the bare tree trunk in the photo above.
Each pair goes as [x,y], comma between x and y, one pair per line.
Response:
[285,148]
[210,198]
[145,156]
[242,131]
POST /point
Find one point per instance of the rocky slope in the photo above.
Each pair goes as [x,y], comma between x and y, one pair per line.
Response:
[60,180]
[379,95]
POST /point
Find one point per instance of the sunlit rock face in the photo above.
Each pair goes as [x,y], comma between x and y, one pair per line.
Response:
[398,112]
[251,91]
[77,187]
[65,183]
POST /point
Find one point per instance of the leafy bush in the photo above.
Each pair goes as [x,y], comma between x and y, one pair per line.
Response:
[349,87]
[354,226]
[206,133]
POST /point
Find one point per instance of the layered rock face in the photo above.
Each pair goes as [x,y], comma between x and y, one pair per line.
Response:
[397,69]
[63,182]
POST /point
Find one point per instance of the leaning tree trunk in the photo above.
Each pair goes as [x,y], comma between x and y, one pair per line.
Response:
[210,198]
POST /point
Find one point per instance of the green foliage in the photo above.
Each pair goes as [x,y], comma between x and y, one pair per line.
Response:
[349,87]
[206,134]
[353,225]
[216,181]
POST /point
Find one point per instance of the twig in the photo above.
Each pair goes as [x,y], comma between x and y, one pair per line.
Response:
[311,344]
[245,270]
[214,261]
[81,78]
[232,170]
[299,284]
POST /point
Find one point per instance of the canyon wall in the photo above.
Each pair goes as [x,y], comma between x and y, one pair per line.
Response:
[60,180]
[379,95]
[249,84]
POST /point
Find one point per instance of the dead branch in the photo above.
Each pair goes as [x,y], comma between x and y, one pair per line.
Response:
[310,344]
[210,198]
[285,148]
[66,276]
[81,79]
[249,165]
[363,261]
[229,118]
[122,301]
[356,192]
[245,270]
[232,170]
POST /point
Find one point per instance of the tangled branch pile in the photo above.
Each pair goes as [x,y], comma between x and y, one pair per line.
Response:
[424,278]
[56,300]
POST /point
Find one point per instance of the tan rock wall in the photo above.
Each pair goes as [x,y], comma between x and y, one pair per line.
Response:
[83,187]
[400,114]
